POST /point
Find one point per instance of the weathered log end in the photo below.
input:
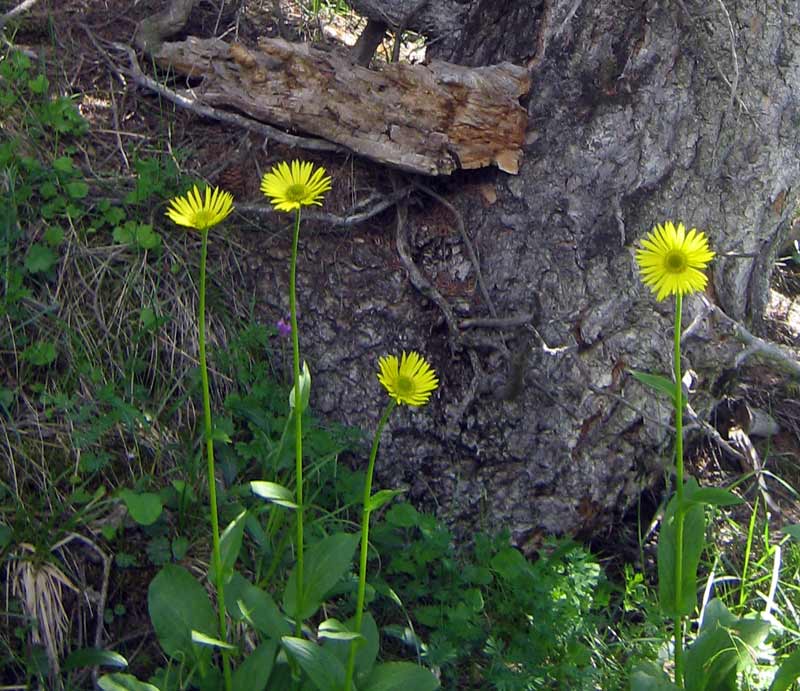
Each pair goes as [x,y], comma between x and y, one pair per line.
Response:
[430,119]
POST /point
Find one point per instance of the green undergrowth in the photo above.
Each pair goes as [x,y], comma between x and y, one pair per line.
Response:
[102,481]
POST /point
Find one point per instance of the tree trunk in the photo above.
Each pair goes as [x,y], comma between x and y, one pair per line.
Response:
[640,111]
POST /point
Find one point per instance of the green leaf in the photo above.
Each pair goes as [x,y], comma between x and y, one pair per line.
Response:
[335,630]
[40,259]
[792,531]
[124,234]
[144,507]
[92,657]
[230,544]
[510,564]
[656,382]
[305,389]
[326,562]
[146,237]
[693,541]
[400,676]
[38,85]
[180,546]
[40,354]
[253,673]
[403,516]
[123,682]
[220,435]
[272,491]
[77,190]
[179,605]
[648,677]
[63,164]
[322,666]
[712,496]
[147,316]
[787,673]
[367,649]
[54,236]
[244,601]
[210,641]
[382,497]
[723,648]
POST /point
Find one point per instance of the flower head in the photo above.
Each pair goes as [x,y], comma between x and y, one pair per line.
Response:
[409,381]
[284,327]
[290,187]
[672,261]
[199,211]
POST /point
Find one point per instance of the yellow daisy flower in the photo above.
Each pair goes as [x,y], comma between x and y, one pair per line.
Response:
[289,188]
[672,261]
[409,381]
[198,211]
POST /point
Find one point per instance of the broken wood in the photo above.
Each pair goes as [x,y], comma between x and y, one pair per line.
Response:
[430,119]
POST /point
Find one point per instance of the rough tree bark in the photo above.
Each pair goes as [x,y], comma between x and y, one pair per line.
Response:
[640,111]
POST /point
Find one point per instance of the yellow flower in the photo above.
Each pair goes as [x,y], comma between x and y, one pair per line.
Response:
[289,188]
[672,261]
[408,381]
[198,211]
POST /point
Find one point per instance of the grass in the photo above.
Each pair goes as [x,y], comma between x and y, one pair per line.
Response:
[100,411]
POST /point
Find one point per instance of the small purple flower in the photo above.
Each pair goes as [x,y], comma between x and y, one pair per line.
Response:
[284,327]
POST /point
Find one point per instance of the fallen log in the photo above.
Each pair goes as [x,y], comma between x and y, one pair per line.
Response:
[430,119]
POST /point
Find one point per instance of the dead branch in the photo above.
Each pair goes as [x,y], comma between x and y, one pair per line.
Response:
[430,119]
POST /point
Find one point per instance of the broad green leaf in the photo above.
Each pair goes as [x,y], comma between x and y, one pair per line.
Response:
[382,497]
[403,515]
[693,540]
[787,673]
[367,649]
[92,657]
[333,629]
[40,259]
[178,605]
[792,531]
[648,677]
[400,676]
[63,164]
[253,673]
[77,189]
[657,382]
[38,85]
[123,682]
[510,564]
[147,316]
[712,496]
[230,544]
[54,236]
[144,507]
[245,601]
[210,641]
[272,491]
[326,562]
[146,237]
[40,354]
[322,666]
[723,648]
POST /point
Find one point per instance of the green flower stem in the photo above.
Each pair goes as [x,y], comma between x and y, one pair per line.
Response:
[212,483]
[679,516]
[298,420]
[362,567]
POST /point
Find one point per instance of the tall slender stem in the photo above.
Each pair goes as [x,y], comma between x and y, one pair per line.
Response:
[362,566]
[212,483]
[298,421]
[680,514]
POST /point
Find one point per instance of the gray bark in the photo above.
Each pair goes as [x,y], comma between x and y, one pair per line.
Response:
[641,111]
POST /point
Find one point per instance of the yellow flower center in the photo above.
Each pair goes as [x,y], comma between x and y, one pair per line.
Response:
[296,192]
[202,218]
[404,386]
[676,262]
